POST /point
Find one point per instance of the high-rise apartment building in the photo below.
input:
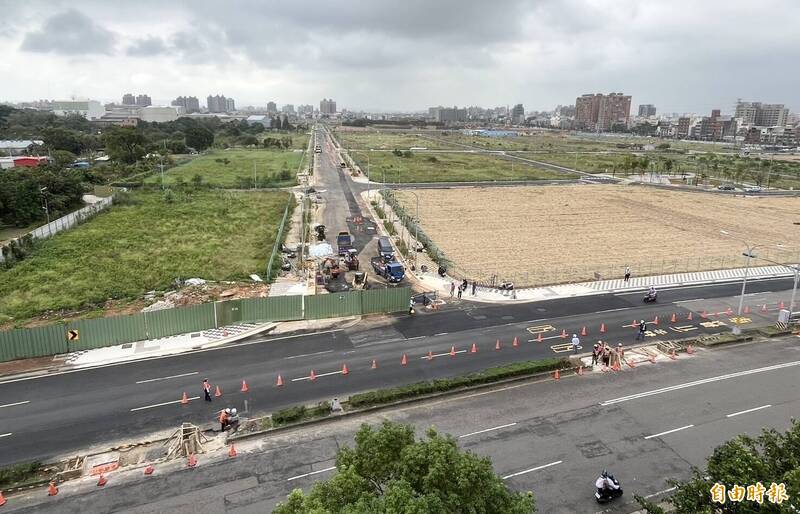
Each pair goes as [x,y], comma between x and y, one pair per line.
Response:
[272,108]
[518,114]
[762,115]
[327,106]
[128,99]
[450,114]
[305,109]
[682,130]
[217,103]
[143,100]
[190,104]
[601,112]
[288,109]
[647,110]
[230,105]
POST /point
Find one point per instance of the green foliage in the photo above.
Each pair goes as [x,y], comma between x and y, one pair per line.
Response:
[389,471]
[234,168]
[21,198]
[648,506]
[379,211]
[144,245]
[125,144]
[289,415]
[389,226]
[770,457]
[389,395]
[199,138]
[18,473]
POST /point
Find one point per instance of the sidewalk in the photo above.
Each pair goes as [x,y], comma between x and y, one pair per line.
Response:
[432,280]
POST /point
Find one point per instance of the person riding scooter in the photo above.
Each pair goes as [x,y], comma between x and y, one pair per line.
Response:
[651,295]
[608,487]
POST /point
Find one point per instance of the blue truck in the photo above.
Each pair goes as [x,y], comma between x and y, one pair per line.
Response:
[344,242]
[391,270]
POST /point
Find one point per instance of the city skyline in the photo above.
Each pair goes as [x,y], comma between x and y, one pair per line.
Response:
[547,53]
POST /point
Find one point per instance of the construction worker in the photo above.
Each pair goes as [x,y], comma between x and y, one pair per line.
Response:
[411,306]
[233,419]
[620,351]
[223,419]
[576,343]
[642,330]
[207,389]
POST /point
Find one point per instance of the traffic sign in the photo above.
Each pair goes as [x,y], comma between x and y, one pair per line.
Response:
[73,335]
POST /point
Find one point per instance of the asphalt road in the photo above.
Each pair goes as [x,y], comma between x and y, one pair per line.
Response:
[646,425]
[60,414]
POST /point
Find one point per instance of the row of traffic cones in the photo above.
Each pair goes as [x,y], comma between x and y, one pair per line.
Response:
[217,393]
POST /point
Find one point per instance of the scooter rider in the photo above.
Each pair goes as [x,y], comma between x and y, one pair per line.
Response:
[652,292]
[607,487]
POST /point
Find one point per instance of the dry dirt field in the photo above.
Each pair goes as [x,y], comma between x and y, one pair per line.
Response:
[555,234]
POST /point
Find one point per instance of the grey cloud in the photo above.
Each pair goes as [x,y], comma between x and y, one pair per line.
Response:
[147,47]
[71,33]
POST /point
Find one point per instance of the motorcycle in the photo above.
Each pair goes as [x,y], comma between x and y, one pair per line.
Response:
[650,297]
[604,493]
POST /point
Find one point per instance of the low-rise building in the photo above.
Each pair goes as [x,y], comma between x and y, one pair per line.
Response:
[89,109]
[259,119]
[158,114]
[19,147]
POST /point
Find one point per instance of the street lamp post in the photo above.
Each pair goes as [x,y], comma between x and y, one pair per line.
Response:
[43,191]
[796,269]
[416,227]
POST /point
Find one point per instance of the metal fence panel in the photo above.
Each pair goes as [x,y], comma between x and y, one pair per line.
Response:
[275,308]
[385,300]
[99,332]
[333,305]
[170,322]
[228,312]
[25,343]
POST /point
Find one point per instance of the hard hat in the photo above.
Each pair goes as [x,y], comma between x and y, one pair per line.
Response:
[233,411]
[228,410]
[574,335]
[620,344]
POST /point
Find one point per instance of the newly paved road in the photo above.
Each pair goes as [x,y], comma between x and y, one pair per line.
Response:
[646,425]
[60,414]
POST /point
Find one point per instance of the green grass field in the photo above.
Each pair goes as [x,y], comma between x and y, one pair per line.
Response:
[449,167]
[145,245]
[238,173]
[386,141]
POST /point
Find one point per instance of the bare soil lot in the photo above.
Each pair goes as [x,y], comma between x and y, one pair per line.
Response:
[554,234]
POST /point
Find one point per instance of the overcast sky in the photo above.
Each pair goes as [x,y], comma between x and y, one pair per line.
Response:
[682,55]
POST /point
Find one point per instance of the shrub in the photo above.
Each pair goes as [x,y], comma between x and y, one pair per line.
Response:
[19,473]
[389,226]
[289,415]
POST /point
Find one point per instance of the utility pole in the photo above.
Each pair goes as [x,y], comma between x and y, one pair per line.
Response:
[255,180]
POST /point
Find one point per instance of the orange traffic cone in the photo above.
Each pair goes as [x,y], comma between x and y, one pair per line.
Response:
[312,376]
[689,317]
[244,387]
[672,354]
[563,333]
[703,315]
[729,311]
[374,364]
[602,328]
[452,351]
[345,371]
[474,348]
[2,499]
[232,451]
[279,382]
[781,305]
[557,375]
[655,321]
[674,318]
[515,342]
[102,481]
[52,490]
[430,355]
[580,371]
[192,462]
[634,324]
[584,332]
[764,308]
[539,338]
[149,469]
[690,349]
[746,309]
[218,392]
[630,363]
[653,358]
[616,367]
[497,345]
[404,360]
[184,399]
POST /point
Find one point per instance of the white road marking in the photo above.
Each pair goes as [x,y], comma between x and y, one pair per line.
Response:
[487,430]
[669,432]
[13,404]
[659,493]
[699,382]
[748,410]
[440,334]
[167,378]
[442,354]
[308,354]
[162,404]
[5,435]
[317,376]
[532,469]
[312,473]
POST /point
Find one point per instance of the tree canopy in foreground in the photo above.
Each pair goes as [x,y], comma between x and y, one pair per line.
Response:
[389,471]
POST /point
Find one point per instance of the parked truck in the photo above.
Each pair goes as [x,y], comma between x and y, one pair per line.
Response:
[385,249]
[392,271]
[345,243]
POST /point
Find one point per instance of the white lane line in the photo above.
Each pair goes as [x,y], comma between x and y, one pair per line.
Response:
[162,404]
[167,378]
[487,430]
[442,354]
[440,334]
[659,493]
[5,435]
[13,404]
[748,410]
[669,432]
[308,354]
[537,468]
[312,473]
[699,382]
[298,379]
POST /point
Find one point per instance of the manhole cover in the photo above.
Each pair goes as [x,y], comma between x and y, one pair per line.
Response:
[594,449]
